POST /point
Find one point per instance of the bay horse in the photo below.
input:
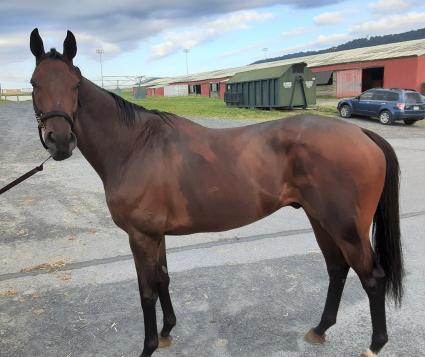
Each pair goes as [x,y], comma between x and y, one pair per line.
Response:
[164,174]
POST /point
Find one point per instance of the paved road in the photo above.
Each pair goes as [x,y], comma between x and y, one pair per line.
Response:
[252,291]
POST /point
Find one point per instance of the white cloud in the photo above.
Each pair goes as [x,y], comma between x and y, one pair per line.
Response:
[331,40]
[117,27]
[176,41]
[296,32]
[390,24]
[391,6]
[257,47]
[89,41]
[328,18]
[14,40]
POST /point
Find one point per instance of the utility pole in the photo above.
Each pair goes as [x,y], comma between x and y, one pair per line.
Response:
[265,49]
[100,51]
[187,50]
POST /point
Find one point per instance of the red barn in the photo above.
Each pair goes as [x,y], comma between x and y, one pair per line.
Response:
[153,91]
[210,87]
[338,74]
[350,72]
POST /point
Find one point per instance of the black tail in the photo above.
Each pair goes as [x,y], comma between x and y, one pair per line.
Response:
[386,224]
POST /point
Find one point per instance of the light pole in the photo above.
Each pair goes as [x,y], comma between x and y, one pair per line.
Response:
[187,50]
[100,51]
[265,49]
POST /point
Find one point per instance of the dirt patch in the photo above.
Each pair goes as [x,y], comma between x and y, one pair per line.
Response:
[64,277]
[8,293]
[38,311]
[51,266]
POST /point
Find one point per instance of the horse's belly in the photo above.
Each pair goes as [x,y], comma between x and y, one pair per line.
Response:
[215,215]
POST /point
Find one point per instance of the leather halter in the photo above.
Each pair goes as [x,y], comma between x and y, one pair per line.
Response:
[42,117]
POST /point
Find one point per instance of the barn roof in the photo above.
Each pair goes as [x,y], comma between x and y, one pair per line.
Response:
[392,50]
[259,74]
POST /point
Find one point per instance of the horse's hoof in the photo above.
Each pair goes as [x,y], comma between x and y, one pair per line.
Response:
[165,341]
[313,338]
[368,353]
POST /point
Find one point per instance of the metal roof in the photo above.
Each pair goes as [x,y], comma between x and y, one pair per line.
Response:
[392,50]
[259,74]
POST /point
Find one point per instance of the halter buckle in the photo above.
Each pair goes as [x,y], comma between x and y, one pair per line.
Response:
[39,118]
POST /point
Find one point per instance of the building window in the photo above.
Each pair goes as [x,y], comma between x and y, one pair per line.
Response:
[324,78]
[214,87]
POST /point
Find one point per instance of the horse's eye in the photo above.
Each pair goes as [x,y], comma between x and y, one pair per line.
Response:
[34,83]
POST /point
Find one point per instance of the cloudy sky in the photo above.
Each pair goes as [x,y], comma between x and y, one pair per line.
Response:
[148,37]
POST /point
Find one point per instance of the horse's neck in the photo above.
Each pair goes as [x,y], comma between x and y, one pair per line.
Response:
[103,140]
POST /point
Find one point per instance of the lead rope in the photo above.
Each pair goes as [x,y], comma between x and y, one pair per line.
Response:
[24,177]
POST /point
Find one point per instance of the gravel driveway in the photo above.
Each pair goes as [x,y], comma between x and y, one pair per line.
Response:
[68,285]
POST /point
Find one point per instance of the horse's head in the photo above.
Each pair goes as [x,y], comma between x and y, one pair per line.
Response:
[55,96]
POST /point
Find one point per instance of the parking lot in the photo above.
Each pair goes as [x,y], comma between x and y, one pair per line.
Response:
[68,285]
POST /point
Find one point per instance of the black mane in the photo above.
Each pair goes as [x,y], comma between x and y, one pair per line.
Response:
[54,55]
[127,110]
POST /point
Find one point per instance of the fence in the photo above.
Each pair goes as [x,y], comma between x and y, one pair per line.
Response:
[16,94]
[116,84]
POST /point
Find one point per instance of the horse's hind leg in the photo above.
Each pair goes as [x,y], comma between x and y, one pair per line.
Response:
[337,270]
[373,279]
[164,297]
[358,253]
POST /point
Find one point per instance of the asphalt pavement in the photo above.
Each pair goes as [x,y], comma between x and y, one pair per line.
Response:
[68,284]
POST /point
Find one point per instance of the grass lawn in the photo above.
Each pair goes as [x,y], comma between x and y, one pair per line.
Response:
[205,107]
[216,108]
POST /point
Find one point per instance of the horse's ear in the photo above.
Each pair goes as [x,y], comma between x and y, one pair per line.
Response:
[69,46]
[36,44]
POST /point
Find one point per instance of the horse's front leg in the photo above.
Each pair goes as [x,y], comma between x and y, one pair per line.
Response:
[164,297]
[145,254]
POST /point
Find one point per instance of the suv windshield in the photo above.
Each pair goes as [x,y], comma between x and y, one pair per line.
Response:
[413,98]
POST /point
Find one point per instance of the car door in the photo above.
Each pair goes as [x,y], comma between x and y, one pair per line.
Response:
[361,103]
[379,99]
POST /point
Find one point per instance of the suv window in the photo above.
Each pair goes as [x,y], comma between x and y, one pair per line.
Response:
[392,96]
[386,95]
[380,95]
[367,95]
[413,98]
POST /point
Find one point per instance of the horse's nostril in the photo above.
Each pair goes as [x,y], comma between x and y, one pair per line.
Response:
[51,137]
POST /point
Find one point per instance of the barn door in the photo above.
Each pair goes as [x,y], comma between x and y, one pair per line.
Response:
[348,83]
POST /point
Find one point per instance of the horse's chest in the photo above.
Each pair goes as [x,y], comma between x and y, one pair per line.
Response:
[136,213]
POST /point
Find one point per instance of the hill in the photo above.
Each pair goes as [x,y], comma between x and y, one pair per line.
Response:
[357,43]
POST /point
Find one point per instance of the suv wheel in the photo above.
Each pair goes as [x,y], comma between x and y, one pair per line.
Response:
[385,117]
[409,121]
[345,111]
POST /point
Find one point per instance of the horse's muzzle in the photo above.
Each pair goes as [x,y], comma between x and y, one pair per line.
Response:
[60,146]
